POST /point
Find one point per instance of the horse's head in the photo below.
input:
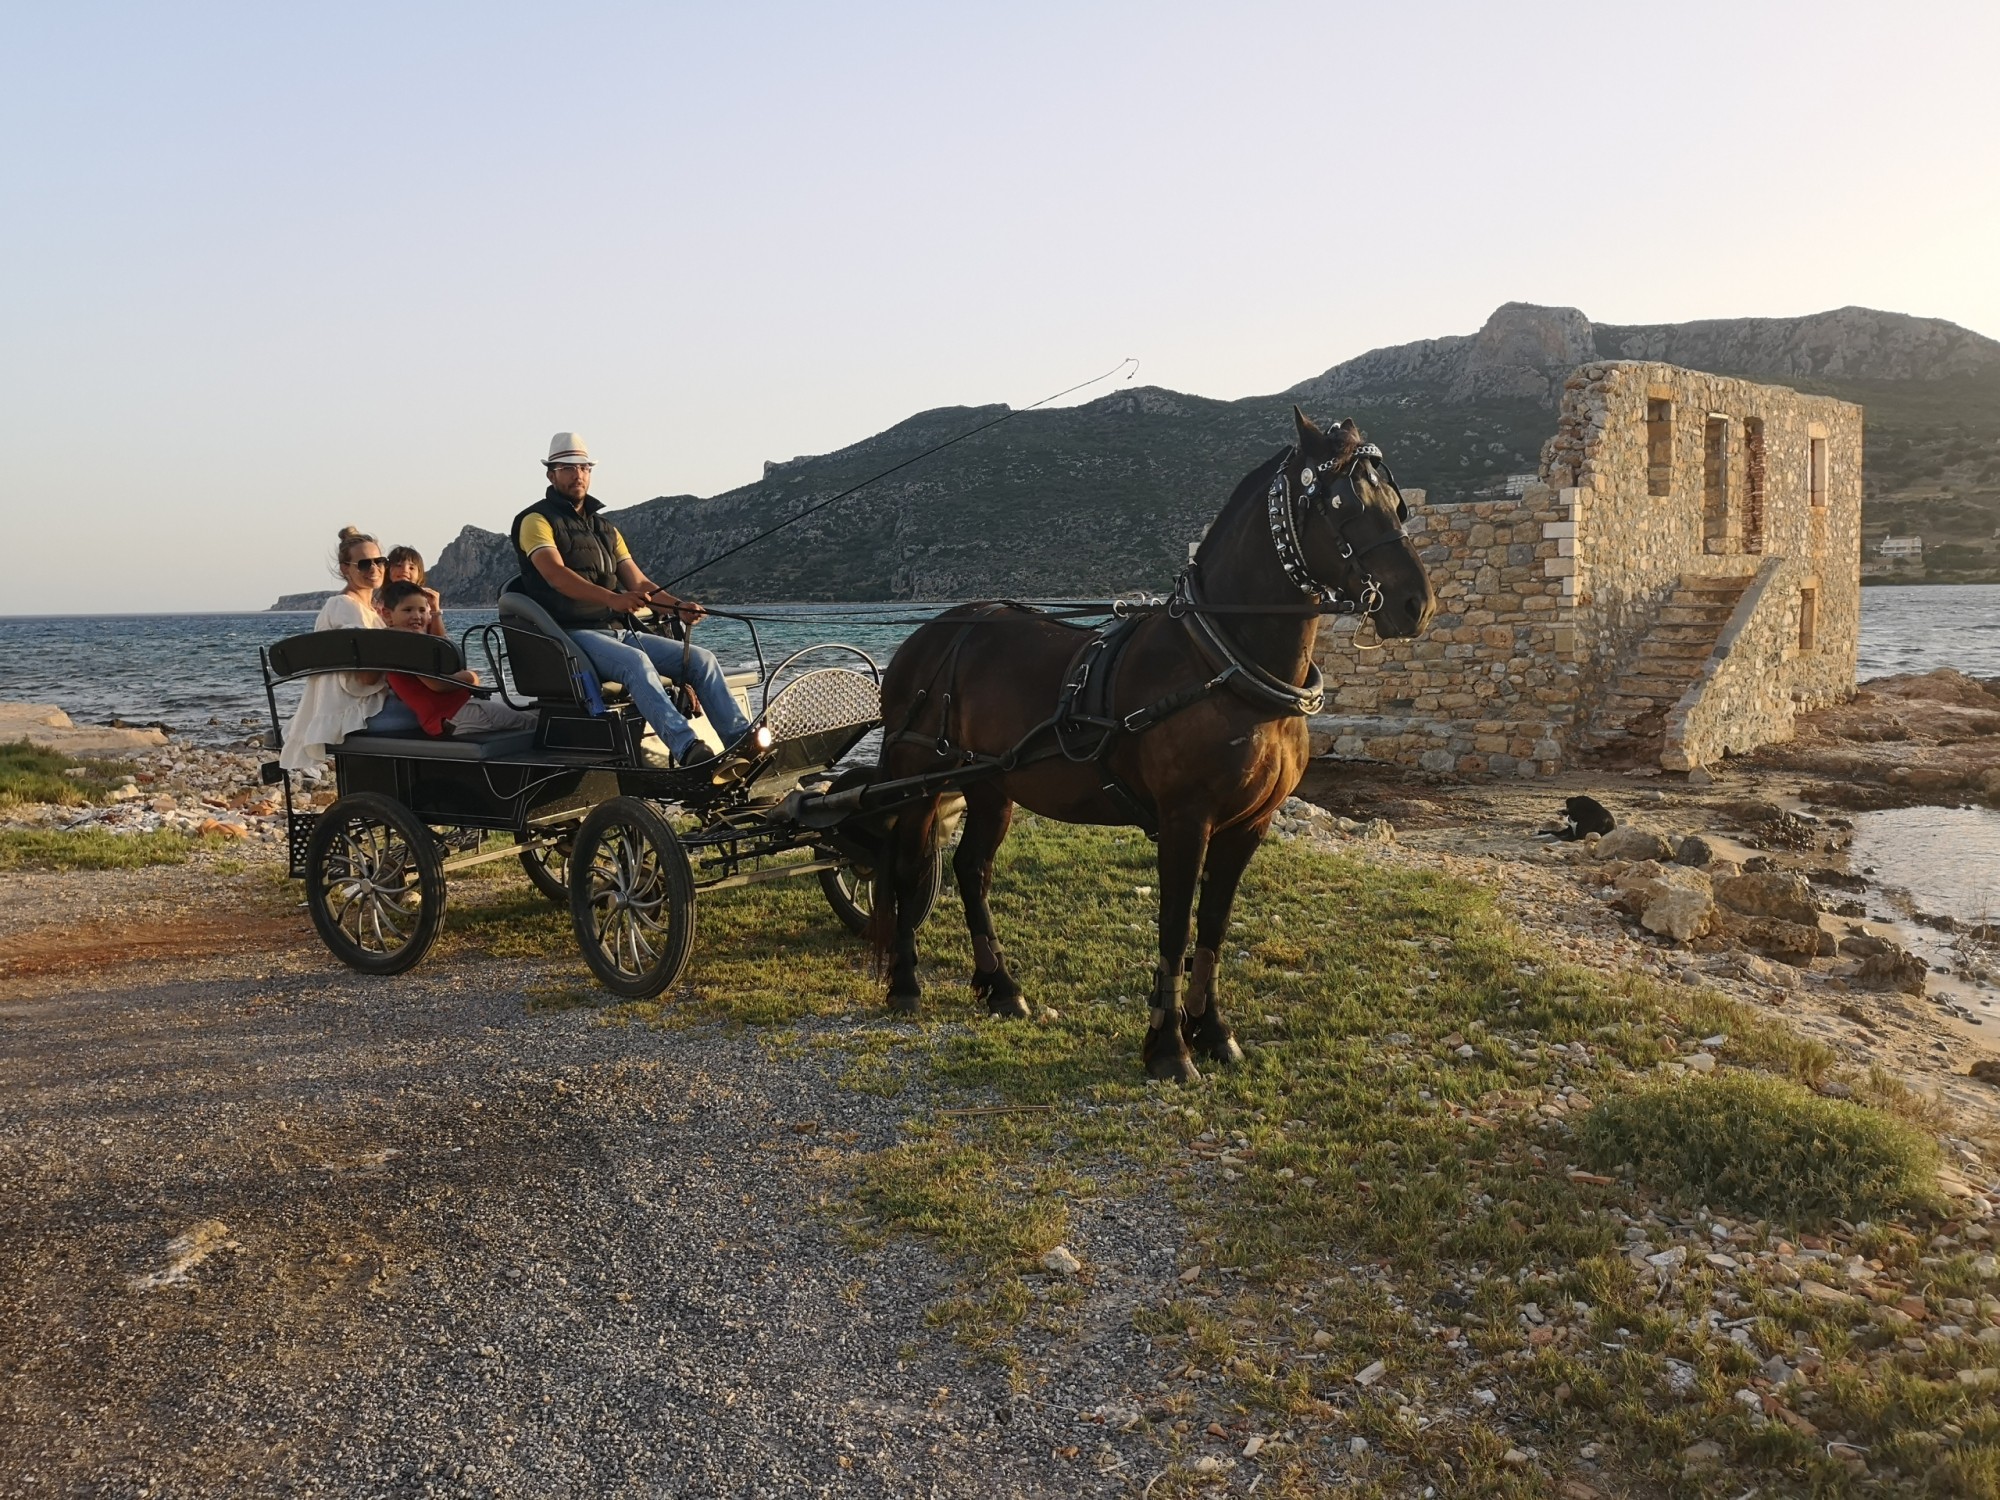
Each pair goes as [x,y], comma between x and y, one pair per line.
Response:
[1349,532]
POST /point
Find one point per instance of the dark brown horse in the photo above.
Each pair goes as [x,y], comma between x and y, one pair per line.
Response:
[1200,736]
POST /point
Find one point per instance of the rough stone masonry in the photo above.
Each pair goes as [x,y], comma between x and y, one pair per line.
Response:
[1683,578]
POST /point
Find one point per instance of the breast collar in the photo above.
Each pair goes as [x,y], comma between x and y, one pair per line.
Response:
[1285,514]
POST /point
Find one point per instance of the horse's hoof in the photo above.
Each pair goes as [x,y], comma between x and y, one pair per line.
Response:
[904,1002]
[1209,1036]
[1168,1062]
[1003,997]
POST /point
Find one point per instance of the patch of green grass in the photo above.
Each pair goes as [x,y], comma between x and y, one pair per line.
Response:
[94,849]
[29,773]
[1765,1148]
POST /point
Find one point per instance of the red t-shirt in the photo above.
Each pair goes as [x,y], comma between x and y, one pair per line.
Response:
[431,702]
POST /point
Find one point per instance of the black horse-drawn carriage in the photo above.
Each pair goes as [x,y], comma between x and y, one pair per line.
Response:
[624,843]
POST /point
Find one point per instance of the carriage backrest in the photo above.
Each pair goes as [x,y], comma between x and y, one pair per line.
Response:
[545,662]
[354,650]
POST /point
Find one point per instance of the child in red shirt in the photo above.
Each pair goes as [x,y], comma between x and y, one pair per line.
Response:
[440,710]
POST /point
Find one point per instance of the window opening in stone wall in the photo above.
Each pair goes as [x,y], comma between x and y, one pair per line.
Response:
[1816,472]
[1753,484]
[1808,618]
[1659,447]
[1715,483]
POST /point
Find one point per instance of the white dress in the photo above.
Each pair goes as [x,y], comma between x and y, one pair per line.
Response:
[333,705]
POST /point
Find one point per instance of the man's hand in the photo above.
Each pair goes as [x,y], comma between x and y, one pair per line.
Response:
[469,677]
[631,601]
[689,612]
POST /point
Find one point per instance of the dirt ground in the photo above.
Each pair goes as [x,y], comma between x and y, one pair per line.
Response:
[275,1228]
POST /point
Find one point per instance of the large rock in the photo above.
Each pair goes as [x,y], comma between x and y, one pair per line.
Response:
[46,725]
[1668,899]
[1783,894]
[1791,942]
[1634,843]
[1893,968]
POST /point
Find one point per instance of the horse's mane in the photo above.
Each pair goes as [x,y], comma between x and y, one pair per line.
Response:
[1250,490]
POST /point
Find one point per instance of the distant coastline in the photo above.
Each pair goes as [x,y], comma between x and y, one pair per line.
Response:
[289,603]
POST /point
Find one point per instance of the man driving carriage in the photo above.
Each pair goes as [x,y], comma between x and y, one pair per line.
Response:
[576,566]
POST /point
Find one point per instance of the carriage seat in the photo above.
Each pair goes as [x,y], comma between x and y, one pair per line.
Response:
[547,665]
[544,661]
[356,650]
[505,745]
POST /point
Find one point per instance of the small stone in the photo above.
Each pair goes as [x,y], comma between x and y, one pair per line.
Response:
[1208,1463]
[1321,1339]
[1253,1447]
[1061,1262]
[1371,1374]
[1985,1376]
[1591,1451]
[1703,1452]
[1486,1398]
[1514,1458]
[1700,1062]
[1357,1446]
[1666,1260]
[1819,1291]
[1778,1372]
[1192,1273]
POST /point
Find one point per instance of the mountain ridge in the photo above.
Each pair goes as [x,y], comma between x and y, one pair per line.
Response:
[1104,496]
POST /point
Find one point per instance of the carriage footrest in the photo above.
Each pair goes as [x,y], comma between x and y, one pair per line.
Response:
[298,833]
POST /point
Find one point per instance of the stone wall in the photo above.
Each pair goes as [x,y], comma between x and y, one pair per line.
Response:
[1491,686]
[1654,474]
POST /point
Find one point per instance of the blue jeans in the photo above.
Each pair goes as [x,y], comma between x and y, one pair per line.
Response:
[394,717]
[641,661]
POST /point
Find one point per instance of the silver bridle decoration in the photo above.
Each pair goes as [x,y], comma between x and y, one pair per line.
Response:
[1285,531]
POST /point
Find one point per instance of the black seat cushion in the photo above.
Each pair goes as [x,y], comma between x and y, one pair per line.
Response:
[413,746]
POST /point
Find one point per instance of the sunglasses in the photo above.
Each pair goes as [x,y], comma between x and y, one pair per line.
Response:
[369,562]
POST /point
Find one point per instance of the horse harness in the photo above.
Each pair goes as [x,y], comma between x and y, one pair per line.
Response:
[1086,728]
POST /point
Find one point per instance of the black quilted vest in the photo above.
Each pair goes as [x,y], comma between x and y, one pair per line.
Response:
[589,546]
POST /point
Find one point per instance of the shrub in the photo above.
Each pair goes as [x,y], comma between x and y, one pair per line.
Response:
[1765,1148]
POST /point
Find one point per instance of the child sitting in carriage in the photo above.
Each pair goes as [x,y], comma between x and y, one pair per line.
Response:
[434,708]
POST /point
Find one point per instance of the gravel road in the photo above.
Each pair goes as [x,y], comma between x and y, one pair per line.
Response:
[272,1228]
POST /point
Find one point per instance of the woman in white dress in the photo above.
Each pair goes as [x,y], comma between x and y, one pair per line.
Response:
[335,704]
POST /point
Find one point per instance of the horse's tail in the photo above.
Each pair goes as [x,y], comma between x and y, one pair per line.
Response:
[907,856]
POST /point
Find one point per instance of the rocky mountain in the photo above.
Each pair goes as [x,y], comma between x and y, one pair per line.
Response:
[1103,497]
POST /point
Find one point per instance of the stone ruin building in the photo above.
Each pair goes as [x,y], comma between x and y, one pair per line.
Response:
[1683,577]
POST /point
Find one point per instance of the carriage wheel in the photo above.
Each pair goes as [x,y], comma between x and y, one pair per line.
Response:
[850,891]
[374,884]
[546,859]
[631,898]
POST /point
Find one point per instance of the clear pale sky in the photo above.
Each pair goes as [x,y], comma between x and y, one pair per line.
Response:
[267,270]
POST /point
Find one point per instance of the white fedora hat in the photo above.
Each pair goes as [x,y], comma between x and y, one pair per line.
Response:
[567,448]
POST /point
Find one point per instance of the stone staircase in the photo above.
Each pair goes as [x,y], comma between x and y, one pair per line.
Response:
[1627,726]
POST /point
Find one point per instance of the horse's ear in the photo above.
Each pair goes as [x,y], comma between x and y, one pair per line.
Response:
[1305,425]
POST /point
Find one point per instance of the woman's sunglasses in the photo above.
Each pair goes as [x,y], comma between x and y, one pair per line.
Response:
[369,562]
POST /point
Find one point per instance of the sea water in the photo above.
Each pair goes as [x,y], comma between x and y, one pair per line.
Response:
[198,674]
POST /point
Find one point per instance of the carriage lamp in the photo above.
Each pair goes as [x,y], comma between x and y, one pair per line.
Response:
[762,738]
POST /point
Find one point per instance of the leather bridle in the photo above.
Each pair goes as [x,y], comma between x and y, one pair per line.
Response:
[1340,503]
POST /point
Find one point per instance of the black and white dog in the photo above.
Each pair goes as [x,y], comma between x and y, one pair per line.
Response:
[1581,815]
